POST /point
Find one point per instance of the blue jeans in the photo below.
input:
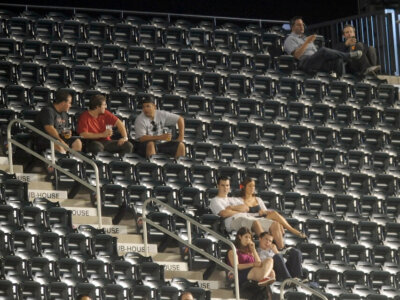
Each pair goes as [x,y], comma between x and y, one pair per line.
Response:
[292,267]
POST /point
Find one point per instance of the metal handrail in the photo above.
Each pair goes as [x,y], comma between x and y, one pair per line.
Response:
[52,162]
[146,13]
[188,243]
[304,286]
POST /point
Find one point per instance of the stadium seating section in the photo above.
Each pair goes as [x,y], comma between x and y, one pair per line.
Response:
[323,151]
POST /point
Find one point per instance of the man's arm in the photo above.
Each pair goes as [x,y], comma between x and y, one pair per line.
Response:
[50,130]
[181,127]
[300,51]
[95,136]
[147,138]
[122,130]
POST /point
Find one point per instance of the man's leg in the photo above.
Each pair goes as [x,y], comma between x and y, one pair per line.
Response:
[293,263]
[317,61]
[77,145]
[280,268]
[358,66]
[113,147]
[150,149]
[371,55]
[95,147]
[181,150]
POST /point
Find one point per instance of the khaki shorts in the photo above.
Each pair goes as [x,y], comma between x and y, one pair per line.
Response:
[247,222]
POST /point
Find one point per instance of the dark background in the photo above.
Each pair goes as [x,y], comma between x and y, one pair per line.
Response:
[313,11]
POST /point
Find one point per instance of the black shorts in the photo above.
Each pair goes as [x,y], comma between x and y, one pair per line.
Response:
[44,144]
[166,148]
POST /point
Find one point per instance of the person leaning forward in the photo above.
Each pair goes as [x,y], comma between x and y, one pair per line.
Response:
[54,121]
[95,126]
[153,133]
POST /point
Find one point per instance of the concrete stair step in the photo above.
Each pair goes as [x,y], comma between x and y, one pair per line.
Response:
[190,275]
[17,168]
[88,220]
[40,185]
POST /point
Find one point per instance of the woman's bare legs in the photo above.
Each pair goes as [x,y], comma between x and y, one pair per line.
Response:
[277,232]
[273,215]
[259,273]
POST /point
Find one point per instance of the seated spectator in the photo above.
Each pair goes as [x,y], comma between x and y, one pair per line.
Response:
[54,121]
[283,270]
[186,296]
[311,59]
[152,132]
[95,126]
[250,266]
[367,64]
[253,203]
[237,214]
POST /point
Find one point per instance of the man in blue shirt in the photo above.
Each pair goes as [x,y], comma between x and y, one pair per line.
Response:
[311,59]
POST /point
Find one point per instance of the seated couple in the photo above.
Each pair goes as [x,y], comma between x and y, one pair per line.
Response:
[249,211]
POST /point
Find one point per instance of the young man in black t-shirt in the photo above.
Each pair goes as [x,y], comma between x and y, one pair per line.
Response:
[53,120]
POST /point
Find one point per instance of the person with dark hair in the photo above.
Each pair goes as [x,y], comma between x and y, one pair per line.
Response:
[250,266]
[153,132]
[311,59]
[237,214]
[186,296]
[54,121]
[248,195]
[95,126]
[283,270]
[367,64]
[83,297]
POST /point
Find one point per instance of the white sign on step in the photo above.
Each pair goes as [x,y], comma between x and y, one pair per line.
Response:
[129,247]
[83,211]
[174,266]
[3,160]
[47,194]
[210,284]
[29,177]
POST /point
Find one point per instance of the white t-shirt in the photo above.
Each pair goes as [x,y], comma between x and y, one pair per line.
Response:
[264,254]
[147,126]
[217,204]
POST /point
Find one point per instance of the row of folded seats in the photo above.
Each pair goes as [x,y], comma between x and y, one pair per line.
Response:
[126,278]
[126,32]
[188,172]
[206,82]
[135,56]
[90,255]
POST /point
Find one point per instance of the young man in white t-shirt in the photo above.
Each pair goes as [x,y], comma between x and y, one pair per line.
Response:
[291,268]
[236,213]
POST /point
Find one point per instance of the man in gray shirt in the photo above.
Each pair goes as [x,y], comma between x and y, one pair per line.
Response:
[152,132]
[311,59]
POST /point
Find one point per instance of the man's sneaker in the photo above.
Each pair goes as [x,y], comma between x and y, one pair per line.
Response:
[266,281]
[285,250]
[356,54]
[372,70]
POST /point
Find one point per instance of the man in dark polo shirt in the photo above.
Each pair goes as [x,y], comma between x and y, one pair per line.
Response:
[54,121]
